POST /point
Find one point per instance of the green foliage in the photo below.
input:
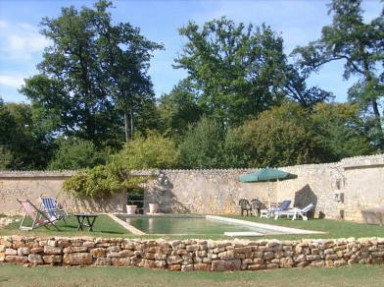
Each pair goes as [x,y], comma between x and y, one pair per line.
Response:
[98,183]
[152,151]
[278,137]
[202,145]
[73,154]
[237,70]
[360,46]
[22,140]
[92,79]
[340,131]
[179,108]
[290,134]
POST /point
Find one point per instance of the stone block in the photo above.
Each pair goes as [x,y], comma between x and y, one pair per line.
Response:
[16,259]
[160,264]
[226,265]
[23,251]
[174,260]
[10,251]
[174,267]
[257,267]
[98,252]
[202,267]
[52,250]
[76,249]
[268,255]
[227,255]
[77,259]
[35,259]
[121,261]
[36,250]
[52,259]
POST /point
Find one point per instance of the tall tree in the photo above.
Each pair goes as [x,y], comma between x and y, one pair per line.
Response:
[202,146]
[126,54]
[24,144]
[92,74]
[179,108]
[237,69]
[360,46]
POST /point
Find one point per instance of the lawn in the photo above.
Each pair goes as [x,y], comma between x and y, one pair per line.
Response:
[106,227]
[356,275]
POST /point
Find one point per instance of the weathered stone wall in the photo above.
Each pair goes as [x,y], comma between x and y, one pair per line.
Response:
[190,255]
[31,185]
[358,182]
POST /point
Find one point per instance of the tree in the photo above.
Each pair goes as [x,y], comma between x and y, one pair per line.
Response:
[339,131]
[126,54]
[237,70]
[23,141]
[74,154]
[179,108]
[280,136]
[360,46]
[92,74]
[152,151]
[297,90]
[202,145]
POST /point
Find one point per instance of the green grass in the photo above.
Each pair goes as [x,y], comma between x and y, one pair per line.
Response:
[333,228]
[356,275]
[106,227]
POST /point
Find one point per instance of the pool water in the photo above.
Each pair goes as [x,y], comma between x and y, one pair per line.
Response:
[187,225]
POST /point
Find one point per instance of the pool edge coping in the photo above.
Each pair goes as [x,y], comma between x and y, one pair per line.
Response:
[126,225]
[287,230]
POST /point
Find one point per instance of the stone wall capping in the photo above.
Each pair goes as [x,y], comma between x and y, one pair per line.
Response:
[351,161]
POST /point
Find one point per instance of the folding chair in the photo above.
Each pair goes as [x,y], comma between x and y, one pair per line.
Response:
[39,218]
[245,206]
[49,205]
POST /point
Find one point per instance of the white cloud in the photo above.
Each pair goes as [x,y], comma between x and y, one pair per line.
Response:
[3,24]
[21,41]
[11,81]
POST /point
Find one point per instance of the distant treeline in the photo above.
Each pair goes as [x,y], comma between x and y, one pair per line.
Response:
[244,103]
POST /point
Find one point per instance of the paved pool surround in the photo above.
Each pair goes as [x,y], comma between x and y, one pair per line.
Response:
[190,255]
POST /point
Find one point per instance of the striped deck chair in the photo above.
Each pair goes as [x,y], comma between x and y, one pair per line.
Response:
[49,205]
[39,217]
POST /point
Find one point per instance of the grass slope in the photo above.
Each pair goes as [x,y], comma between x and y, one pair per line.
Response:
[357,275]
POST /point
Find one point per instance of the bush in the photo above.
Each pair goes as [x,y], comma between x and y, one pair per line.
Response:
[153,151]
[74,153]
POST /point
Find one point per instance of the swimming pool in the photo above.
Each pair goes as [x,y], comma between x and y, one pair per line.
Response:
[202,225]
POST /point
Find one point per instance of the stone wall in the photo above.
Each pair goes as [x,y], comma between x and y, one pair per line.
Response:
[339,190]
[32,185]
[190,255]
[358,183]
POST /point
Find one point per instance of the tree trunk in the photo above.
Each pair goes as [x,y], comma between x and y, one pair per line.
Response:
[378,125]
[126,126]
[132,124]
[375,108]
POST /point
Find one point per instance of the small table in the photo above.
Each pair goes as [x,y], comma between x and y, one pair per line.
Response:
[89,217]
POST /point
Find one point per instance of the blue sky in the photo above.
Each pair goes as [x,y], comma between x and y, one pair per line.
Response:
[298,22]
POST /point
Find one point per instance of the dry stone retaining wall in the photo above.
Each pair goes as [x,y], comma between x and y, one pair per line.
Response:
[190,255]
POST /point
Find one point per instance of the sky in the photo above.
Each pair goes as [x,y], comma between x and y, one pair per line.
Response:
[297,21]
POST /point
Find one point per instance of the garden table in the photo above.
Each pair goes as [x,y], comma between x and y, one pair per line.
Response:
[88,217]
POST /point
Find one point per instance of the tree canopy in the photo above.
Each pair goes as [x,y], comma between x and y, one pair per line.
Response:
[360,46]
